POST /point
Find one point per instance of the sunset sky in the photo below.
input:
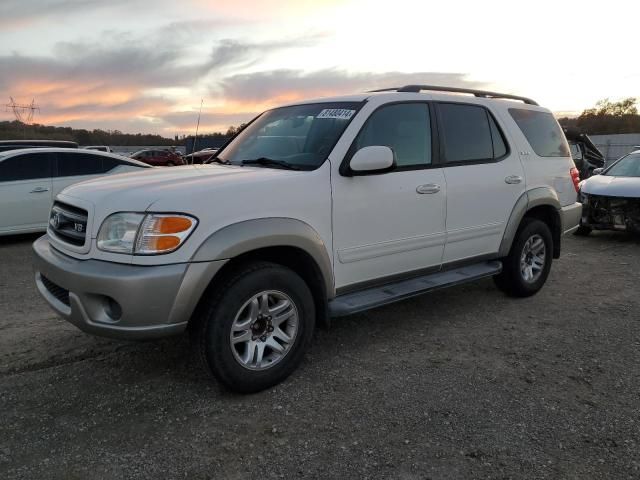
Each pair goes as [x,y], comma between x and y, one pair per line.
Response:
[143,66]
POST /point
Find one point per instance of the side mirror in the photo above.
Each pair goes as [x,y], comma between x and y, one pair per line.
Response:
[598,171]
[373,159]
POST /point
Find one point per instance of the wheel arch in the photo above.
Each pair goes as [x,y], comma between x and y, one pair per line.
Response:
[541,203]
[285,241]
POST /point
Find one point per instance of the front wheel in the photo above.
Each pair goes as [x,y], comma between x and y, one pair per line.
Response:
[526,268]
[252,333]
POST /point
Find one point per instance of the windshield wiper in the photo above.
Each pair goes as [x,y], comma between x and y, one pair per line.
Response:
[217,160]
[270,162]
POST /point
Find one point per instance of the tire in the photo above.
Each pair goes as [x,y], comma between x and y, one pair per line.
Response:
[171,164]
[512,280]
[583,231]
[238,301]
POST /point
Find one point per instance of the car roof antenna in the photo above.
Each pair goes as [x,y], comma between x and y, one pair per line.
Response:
[195,138]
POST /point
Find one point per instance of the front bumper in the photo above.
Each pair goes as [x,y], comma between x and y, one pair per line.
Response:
[124,301]
[601,212]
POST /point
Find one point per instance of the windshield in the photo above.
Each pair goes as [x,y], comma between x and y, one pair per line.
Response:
[628,166]
[301,136]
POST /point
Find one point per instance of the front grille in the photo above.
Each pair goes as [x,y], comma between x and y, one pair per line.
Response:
[68,223]
[620,213]
[57,291]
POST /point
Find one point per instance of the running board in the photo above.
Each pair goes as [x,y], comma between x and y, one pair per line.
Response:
[350,303]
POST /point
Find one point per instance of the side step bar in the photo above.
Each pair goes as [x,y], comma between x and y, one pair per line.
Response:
[359,301]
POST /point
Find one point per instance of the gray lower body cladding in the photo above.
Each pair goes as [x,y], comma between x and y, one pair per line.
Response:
[611,213]
[124,301]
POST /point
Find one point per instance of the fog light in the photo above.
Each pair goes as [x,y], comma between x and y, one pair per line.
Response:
[113,309]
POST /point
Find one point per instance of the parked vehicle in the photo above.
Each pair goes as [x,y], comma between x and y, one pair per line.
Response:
[99,148]
[30,179]
[201,156]
[317,209]
[17,144]
[585,154]
[158,158]
[611,198]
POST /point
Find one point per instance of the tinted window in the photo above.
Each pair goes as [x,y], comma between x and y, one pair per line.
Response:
[499,144]
[74,164]
[405,128]
[26,167]
[542,132]
[109,163]
[466,133]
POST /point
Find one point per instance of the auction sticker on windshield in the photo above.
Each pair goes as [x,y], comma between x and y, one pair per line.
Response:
[341,113]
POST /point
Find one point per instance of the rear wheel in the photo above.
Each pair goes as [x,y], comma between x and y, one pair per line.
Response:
[252,333]
[526,268]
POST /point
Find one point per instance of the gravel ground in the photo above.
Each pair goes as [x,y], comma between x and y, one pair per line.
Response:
[462,383]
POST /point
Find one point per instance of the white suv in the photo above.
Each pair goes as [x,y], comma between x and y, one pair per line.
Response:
[318,209]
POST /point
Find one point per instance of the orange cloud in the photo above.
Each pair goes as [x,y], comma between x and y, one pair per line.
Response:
[259,9]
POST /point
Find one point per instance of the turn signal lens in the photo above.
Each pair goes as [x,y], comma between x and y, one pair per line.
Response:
[172,224]
[163,233]
[168,242]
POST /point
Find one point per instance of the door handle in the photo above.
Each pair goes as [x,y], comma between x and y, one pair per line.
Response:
[39,190]
[428,188]
[513,179]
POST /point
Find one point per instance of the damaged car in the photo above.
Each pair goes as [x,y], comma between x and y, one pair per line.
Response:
[584,152]
[611,198]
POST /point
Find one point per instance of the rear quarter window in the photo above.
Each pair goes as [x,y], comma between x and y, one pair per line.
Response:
[541,131]
[78,164]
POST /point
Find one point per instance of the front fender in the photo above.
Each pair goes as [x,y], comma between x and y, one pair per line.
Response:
[243,237]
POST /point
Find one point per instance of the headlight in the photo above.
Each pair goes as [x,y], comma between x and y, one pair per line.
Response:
[144,234]
[118,232]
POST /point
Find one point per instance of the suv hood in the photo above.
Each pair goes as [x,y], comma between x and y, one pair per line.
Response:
[611,186]
[137,191]
[193,189]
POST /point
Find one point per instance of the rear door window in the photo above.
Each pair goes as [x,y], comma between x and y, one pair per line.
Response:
[28,166]
[469,134]
[77,164]
[541,131]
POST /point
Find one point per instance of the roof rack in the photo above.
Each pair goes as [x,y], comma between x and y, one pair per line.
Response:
[437,88]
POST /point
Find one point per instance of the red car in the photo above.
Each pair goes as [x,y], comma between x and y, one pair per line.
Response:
[163,158]
[200,157]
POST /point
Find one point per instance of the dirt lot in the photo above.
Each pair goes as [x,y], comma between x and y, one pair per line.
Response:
[463,383]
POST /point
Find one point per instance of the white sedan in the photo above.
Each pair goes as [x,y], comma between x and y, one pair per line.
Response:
[611,198]
[31,178]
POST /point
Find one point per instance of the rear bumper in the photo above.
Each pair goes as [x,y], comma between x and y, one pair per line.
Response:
[570,217]
[119,300]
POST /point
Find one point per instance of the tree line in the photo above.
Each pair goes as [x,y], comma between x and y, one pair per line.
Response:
[607,117]
[16,130]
